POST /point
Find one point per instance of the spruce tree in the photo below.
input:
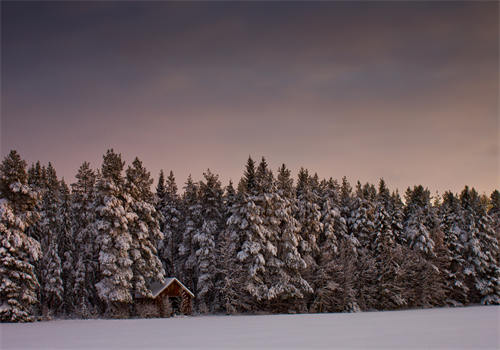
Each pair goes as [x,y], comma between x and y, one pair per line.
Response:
[246,227]
[481,250]
[361,220]
[387,253]
[192,225]
[66,245]
[160,193]
[309,216]
[225,255]
[452,226]
[346,210]
[334,227]
[86,256]
[417,233]
[51,225]
[18,251]
[171,226]
[395,211]
[289,291]
[384,236]
[144,230]
[494,212]
[114,284]
[52,283]
[206,238]
[37,180]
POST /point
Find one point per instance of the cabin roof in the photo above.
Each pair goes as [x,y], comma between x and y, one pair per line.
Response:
[158,287]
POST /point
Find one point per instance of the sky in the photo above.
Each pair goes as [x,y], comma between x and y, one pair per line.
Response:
[405,91]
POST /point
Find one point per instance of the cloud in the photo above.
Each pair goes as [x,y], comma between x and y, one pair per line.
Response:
[364,89]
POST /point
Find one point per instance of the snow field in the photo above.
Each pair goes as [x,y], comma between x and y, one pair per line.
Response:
[457,328]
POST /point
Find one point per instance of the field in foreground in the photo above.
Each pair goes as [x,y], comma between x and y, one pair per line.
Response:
[471,328]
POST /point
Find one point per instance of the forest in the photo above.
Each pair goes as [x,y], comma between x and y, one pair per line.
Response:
[268,244]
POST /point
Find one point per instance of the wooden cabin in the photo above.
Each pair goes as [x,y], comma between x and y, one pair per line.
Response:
[168,297]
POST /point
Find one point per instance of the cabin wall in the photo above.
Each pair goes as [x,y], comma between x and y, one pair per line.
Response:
[147,308]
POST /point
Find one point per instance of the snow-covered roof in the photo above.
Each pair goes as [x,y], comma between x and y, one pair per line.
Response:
[158,287]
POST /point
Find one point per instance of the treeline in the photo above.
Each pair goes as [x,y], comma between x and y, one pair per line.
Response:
[269,245]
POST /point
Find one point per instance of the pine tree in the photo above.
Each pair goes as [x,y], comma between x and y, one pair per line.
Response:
[268,204]
[246,227]
[18,251]
[170,210]
[494,212]
[37,180]
[395,211]
[386,289]
[334,227]
[225,255]
[144,230]
[481,250]
[346,209]
[289,291]
[230,273]
[66,245]
[112,219]
[160,194]
[334,224]
[452,225]
[206,238]
[383,234]
[85,235]
[309,216]
[52,283]
[51,225]
[192,224]
[417,233]
[361,220]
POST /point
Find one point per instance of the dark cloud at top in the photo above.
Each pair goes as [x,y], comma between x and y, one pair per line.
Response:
[366,89]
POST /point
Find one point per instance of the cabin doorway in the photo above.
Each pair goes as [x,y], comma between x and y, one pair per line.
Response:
[175,304]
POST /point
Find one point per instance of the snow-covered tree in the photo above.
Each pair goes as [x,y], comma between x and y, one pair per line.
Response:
[452,226]
[395,211]
[494,211]
[225,255]
[309,216]
[481,250]
[18,251]
[85,235]
[288,290]
[361,220]
[346,209]
[169,206]
[246,226]
[192,224]
[51,228]
[52,283]
[114,284]
[385,289]
[334,227]
[205,239]
[417,233]
[66,245]
[160,193]
[383,224]
[144,229]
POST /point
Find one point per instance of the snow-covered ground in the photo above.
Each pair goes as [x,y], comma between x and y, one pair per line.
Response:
[471,328]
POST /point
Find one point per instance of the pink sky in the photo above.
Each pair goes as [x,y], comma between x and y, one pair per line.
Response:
[404,91]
